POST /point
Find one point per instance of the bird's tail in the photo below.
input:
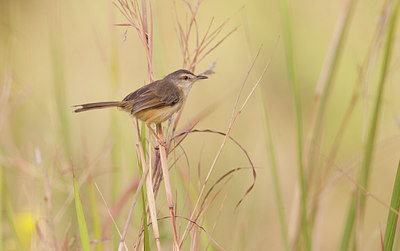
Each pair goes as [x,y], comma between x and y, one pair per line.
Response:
[97,105]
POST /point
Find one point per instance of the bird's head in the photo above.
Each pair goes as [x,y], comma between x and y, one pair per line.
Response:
[184,79]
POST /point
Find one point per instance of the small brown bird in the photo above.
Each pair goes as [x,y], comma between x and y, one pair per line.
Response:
[155,102]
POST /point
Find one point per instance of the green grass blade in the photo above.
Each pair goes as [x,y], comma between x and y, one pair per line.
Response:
[299,123]
[331,64]
[275,175]
[116,169]
[348,230]
[59,82]
[366,164]
[115,130]
[95,216]
[81,219]
[144,203]
[145,228]
[370,142]
[392,217]
[144,191]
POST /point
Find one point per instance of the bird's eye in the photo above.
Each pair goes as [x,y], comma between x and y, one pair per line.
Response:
[185,77]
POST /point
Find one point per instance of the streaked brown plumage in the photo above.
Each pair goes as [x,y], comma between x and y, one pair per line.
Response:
[155,102]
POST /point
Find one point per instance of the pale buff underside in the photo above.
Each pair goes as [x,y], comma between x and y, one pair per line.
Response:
[157,115]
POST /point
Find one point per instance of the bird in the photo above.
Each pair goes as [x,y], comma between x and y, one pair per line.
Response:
[153,103]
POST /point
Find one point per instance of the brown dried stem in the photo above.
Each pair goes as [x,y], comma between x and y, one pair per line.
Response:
[139,20]
[167,183]
[232,123]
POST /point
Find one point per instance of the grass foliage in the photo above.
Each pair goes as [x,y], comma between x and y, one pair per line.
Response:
[325,132]
[81,219]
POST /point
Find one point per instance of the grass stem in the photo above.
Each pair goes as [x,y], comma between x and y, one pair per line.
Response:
[358,202]
[275,175]
[167,183]
[391,224]
[298,118]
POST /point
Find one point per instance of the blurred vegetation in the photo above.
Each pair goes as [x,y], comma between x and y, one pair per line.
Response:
[55,54]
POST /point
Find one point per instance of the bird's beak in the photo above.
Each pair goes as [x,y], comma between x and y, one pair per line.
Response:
[201,77]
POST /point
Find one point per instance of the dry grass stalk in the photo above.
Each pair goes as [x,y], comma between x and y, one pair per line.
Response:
[232,123]
[324,79]
[144,176]
[313,136]
[137,18]
[48,200]
[80,182]
[120,202]
[109,213]
[167,183]
[216,220]
[151,201]
[203,46]
[362,81]
[197,225]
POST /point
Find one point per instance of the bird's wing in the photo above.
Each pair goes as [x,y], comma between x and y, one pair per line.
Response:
[154,95]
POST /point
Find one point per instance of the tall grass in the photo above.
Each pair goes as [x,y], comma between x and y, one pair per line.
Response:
[391,225]
[357,206]
[305,231]
[116,152]
[195,207]
[81,219]
[322,93]
[59,81]
[313,141]
[95,215]
[142,20]
[275,175]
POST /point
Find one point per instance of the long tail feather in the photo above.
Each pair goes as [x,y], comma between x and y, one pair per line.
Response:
[97,105]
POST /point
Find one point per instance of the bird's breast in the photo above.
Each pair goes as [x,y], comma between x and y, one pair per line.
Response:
[158,115]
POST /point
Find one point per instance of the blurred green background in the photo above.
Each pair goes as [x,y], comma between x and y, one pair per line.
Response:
[55,54]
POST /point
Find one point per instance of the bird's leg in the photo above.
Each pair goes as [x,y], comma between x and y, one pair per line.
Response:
[161,142]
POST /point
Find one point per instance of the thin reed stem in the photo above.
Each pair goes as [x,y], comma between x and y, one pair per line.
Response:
[391,225]
[275,174]
[138,190]
[232,123]
[357,206]
[167,183]
[298,118]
